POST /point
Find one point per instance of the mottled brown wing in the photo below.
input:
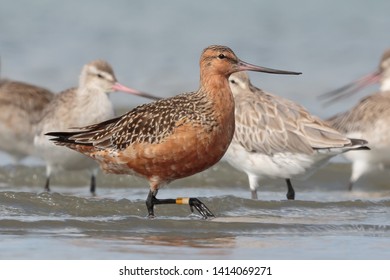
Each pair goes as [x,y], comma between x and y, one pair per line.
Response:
[148,123]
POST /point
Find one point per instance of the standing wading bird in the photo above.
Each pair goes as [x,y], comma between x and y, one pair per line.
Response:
[278,138]
[369,119]
[171,138]
[87,104]
[21,106]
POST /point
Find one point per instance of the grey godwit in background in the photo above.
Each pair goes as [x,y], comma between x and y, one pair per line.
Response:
[278,138]
[88,103]
[368,119]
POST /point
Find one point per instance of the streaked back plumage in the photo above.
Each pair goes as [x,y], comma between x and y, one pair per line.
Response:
[278,138]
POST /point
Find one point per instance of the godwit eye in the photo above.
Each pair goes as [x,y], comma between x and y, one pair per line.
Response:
[100,76]
[221,56]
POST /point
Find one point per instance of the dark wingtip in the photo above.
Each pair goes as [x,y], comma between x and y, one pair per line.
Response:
[60,137]
[360,142]
[56,134]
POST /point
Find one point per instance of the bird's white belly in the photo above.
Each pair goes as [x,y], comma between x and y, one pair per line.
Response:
[280,165]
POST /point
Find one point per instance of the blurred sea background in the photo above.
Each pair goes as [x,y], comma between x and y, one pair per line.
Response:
[154,46]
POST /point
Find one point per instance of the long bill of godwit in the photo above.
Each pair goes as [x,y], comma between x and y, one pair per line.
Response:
[171,138]
[119,87]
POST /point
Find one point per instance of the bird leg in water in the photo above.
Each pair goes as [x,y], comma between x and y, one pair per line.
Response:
[254,194]
[350,185]
[47,184]
[151,200]
[290,190]
[93,185]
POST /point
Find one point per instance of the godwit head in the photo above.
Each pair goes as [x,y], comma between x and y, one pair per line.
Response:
[221,60]
[171,138]
[239,82]
[98,74]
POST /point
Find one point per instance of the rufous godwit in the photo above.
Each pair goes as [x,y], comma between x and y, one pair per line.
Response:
[170,138]
[278,138]
[84,105]
[21,106]
[368,119]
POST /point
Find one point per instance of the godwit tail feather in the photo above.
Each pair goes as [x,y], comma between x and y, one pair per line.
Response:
[63,138]
[71,137]
[359,144]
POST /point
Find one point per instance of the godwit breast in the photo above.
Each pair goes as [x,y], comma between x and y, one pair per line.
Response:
[369,119]
[21,106]
[278,138]
[84,105]
[170,138]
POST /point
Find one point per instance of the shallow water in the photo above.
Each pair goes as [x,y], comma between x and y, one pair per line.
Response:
[325,222]
[154,46]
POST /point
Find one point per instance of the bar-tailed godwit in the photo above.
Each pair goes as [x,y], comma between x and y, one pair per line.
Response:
[170,138]
[278,138]
[84,105]
[21,106]
[368,119]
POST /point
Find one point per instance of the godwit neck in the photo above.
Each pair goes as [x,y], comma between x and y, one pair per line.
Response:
[384,69]
[98,76]
[215,68]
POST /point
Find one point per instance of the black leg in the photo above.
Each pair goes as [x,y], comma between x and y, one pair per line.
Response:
[47,184]
[254,194]
[350,185]
[93,185]
[290,190]
[151,200]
